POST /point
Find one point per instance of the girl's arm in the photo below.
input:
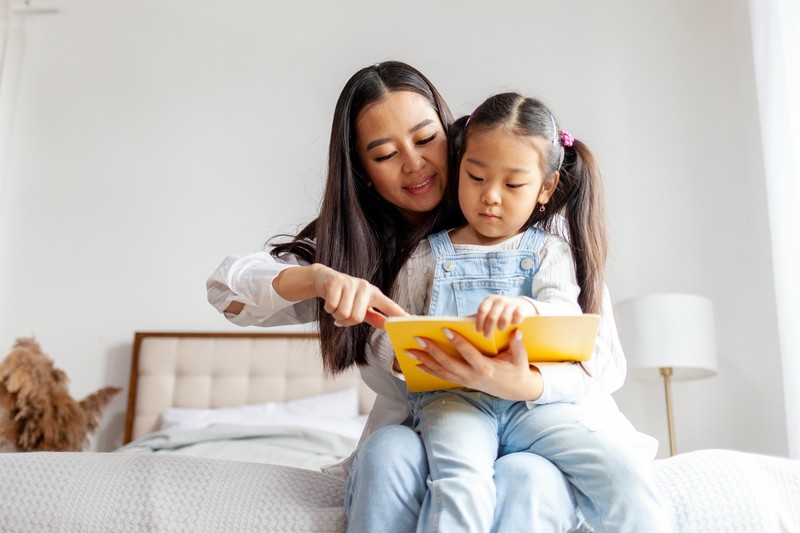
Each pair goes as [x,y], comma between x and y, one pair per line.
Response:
[555,287]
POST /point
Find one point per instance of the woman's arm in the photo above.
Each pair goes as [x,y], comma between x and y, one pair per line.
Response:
[259,290]
[242,288]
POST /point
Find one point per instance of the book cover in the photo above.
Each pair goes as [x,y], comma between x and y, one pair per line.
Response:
[546,339]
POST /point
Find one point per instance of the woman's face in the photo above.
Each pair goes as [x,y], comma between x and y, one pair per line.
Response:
[403,148]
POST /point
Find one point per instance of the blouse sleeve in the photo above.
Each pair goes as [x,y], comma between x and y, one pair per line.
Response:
[248,279]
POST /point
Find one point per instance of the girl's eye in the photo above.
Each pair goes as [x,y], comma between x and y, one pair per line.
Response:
[426,140]
[474,178]
[514,185]
[385,157]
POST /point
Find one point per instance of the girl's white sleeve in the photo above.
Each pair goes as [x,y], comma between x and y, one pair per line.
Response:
[556,293]
[555,286]
[248,279]
[605,371]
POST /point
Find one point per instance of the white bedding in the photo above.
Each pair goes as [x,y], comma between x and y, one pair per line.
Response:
[136,492]
[710,491]
[296,446]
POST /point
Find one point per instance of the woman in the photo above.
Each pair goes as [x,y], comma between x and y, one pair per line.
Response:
[386,177]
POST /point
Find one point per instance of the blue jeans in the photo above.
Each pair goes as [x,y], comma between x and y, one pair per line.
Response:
[465,431]
[386,489]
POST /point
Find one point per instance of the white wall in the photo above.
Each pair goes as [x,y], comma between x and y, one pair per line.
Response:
[144,141]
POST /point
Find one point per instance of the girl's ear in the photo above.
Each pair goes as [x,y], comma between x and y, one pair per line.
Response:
[548,188]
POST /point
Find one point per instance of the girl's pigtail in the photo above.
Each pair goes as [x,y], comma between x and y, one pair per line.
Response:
[583,207]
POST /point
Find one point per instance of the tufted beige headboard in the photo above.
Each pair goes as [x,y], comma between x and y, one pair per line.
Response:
[209,370]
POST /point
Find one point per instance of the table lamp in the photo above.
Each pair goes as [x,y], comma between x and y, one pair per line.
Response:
[671,333]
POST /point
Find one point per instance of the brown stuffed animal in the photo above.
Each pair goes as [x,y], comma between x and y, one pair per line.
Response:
[40,415]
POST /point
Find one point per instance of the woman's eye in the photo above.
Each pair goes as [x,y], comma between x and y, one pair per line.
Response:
[426,140]
[385,157]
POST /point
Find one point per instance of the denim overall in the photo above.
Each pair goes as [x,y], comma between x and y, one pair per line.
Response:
[464,431]
[462,280]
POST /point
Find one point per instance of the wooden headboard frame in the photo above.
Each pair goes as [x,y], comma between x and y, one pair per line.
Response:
[210,370]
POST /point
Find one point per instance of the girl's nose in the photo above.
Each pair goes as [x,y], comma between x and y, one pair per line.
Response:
[490,197]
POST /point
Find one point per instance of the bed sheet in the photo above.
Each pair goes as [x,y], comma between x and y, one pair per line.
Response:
[296,446]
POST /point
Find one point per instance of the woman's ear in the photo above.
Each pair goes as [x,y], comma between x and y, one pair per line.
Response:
[548,188]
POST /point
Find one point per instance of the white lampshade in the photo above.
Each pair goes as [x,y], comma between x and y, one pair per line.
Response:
[668,330]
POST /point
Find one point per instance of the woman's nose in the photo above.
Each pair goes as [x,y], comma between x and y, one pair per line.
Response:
[413,162]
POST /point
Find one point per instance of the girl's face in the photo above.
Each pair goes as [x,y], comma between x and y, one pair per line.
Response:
[500,184]
[402,145]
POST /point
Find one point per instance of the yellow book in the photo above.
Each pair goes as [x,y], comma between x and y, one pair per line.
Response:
[546,339]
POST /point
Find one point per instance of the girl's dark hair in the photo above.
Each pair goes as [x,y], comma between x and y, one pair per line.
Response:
[357,231]
[578,197]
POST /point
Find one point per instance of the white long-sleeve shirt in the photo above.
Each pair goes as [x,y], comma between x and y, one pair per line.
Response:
[248,279]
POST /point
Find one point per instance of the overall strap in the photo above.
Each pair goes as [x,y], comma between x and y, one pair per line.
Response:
[533,239]
[441,244]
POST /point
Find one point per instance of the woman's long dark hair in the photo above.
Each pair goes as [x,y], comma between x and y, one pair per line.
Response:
[578,196]
[357,231]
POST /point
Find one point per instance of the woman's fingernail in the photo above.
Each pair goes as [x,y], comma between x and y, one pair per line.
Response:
[411,356]
[518,335]
[420,342]
[337,324]
[447,333]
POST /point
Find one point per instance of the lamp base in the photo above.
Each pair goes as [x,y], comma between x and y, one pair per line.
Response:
[666,372]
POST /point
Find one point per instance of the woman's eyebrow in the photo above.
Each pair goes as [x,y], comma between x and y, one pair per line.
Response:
[421,125]
[416,127]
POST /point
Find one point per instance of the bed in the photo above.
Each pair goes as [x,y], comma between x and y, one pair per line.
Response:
[256,468]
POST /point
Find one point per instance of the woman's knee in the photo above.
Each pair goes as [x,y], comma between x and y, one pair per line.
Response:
[396,450]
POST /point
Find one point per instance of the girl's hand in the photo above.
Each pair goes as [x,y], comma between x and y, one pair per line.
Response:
[507,375]
[352,300]
[502,311]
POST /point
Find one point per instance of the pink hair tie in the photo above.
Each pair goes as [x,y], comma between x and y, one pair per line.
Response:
[566,138]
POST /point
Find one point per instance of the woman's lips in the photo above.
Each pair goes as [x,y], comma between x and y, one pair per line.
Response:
[421,187]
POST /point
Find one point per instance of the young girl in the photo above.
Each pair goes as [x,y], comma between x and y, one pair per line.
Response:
[519,181]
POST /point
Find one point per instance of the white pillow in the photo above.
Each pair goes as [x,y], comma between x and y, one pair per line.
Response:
[339,405]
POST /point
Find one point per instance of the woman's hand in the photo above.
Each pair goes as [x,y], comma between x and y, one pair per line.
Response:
[507,375]
[499,312]
[348,299]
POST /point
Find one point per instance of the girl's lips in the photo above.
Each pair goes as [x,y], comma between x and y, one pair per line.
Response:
[421,187]
[489,216]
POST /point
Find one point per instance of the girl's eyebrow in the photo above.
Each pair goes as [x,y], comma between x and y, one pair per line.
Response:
[481,164]
[378,142]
